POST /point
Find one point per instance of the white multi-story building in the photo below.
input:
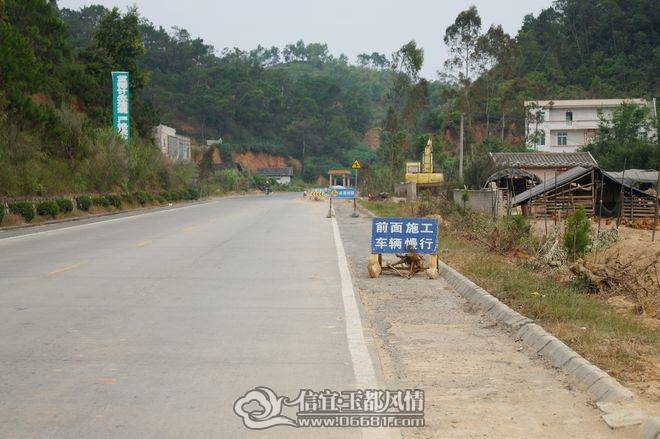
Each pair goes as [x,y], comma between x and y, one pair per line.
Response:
[175,146]
[566,125]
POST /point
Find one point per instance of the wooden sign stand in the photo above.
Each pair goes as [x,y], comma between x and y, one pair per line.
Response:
[407,266]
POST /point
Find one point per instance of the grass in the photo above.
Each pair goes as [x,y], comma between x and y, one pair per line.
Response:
[387,208]
[619,344]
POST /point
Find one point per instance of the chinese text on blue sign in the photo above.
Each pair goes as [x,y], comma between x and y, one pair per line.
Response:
[401,235]
[342,193]
[121,118]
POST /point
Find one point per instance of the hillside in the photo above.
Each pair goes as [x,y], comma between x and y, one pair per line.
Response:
[299,101]
[291,101]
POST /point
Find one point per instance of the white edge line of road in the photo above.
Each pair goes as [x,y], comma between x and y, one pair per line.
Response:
[365,376]
[96,223]
[363,368]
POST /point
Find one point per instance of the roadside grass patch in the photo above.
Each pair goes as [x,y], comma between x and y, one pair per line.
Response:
[387,208]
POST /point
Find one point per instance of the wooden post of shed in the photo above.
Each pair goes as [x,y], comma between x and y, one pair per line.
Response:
[655,213]
[621,196]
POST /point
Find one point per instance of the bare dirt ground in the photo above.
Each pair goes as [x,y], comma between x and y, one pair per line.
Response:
[478,382]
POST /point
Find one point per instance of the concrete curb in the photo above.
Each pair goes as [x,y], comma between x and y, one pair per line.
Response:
[604,388]
[553,350]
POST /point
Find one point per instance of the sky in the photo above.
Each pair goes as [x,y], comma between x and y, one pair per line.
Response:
[350,27]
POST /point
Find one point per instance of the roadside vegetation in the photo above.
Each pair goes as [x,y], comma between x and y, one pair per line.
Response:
[39,210]
[508,259]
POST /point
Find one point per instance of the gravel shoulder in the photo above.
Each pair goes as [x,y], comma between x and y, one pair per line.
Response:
[478,382]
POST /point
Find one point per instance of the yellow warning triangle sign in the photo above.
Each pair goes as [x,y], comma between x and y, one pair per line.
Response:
[356,165]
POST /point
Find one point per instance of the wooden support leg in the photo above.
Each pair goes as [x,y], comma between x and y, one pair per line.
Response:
[433,271]
[374,266]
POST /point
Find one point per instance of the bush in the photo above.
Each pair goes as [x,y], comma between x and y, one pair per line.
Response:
[84,202]
[173,196]
[127,198]
[24,209]
[142,197]
[510,233]
[2,212]
[65,205]
[161,199]
[193,193]
[101,201]
[115,200]
[576,233]
[48,208]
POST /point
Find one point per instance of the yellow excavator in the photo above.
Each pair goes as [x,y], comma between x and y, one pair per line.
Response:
[422,173]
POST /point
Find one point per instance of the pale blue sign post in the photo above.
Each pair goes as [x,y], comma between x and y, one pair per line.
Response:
[121,104]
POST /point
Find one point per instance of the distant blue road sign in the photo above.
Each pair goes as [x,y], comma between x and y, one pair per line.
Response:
[347,194]
[400,235]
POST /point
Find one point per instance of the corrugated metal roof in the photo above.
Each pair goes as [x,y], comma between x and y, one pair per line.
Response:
[570,175]
[543,159]
[550,184]
[634,176]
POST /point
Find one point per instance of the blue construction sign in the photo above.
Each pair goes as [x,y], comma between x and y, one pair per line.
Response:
[342,194]
[402,235]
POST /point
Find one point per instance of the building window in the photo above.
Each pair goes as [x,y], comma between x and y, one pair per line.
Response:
[562,138]
[569,116]
[541,138]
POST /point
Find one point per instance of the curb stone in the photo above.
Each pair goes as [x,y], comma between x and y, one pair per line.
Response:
[599,384]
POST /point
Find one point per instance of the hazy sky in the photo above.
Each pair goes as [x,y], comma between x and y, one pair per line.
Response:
[347,26]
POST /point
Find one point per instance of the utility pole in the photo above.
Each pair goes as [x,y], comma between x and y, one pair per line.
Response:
[621,195]
[460,160]
[657,194]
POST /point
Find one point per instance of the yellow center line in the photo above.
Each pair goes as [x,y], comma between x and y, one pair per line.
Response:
[190,229]
[63,269]
[143,243]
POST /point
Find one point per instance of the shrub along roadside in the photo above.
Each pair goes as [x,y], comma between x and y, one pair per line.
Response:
[65,205]
[84,202]
[115,200]
[48,208]
[29,210]
[101,201]
[24,209]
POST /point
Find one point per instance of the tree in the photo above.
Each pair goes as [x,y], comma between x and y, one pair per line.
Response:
[630,136]
[496,57]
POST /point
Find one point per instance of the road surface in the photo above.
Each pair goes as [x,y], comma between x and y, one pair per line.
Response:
[153,325]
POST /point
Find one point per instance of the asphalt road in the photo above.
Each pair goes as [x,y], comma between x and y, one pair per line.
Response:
[153,325]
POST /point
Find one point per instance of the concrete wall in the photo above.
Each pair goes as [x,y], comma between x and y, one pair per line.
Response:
[482,200]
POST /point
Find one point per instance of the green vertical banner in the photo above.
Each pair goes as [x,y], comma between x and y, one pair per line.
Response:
[121,117]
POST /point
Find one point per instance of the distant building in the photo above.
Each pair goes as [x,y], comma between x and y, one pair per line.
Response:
[566,125]
[173,145]
[213,142]
[281,175]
